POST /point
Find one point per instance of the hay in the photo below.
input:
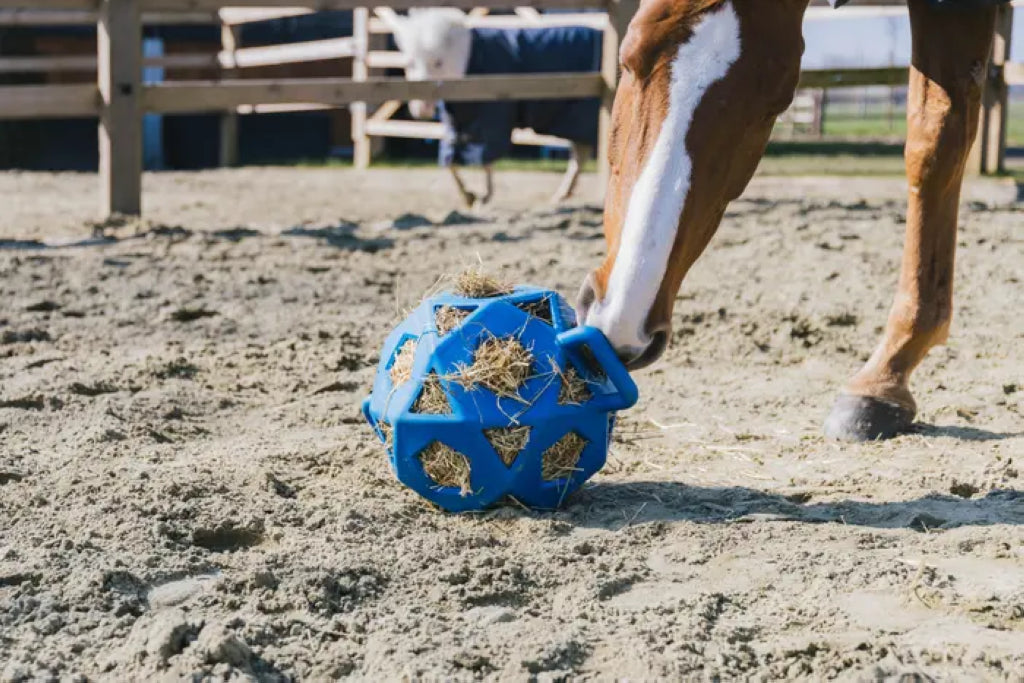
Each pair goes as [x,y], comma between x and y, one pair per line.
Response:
[447,318]
[540,309]
[475,284]
[432,400]
[559,461]
[387,434]
[500,365]
[508,442]
[446,467]
[574,389]
[401,367]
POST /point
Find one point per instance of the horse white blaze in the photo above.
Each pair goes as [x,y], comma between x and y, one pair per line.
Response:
[659,195]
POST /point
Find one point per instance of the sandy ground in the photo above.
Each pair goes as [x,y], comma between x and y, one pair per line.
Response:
[187,488]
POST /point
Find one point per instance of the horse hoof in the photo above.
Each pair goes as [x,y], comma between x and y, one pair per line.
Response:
[864,418]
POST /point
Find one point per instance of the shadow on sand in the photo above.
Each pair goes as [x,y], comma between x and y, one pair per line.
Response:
[963,433]
[342,236]
[615,505]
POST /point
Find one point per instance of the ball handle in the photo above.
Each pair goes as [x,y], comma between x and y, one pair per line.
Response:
[592,338]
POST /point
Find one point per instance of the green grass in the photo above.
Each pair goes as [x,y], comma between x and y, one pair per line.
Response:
[876,123]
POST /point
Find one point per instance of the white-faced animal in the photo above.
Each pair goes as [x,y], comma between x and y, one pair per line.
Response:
[439,45]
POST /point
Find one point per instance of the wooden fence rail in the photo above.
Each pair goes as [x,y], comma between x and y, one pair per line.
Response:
[120,98]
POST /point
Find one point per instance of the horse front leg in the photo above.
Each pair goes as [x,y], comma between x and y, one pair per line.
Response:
[488,185]
[468,198]
[950,55]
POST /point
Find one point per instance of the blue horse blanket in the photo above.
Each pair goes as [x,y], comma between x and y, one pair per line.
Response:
[481,132]
[947,4]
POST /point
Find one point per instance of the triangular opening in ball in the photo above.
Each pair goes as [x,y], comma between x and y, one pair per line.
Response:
[401,364]
[508,442]
[540,309]
[574,390]
[448,318]
[446,467]
[432,399]
[501,365]
[560,460]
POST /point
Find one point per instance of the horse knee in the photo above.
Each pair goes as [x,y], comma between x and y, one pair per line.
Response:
[943,121]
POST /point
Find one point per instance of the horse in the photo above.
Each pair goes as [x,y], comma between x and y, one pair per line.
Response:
[437,44]
[702,83]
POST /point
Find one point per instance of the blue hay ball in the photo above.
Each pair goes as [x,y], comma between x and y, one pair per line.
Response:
[537,444]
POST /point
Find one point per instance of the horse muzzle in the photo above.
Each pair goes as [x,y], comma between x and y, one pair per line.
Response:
[635,350]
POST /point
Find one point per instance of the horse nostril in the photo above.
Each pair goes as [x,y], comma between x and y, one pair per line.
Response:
[585,300]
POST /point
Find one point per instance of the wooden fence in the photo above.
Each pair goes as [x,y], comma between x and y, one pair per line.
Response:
[120,98]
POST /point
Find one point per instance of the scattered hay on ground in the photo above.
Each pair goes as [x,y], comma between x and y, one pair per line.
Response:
[432,400]
[401,367]
[509,442]
[500,365]
[447,318]
[446,467]
[559,461]
[540,309]
[476,284]
[574,389]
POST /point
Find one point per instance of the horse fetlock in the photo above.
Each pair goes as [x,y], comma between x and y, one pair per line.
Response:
[469,199]
[923,324]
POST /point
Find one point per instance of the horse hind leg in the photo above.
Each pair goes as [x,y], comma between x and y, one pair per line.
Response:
[572,174]
[468,198]
[950,53]
[488,186]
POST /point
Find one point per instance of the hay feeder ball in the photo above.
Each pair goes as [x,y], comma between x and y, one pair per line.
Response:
[493,392]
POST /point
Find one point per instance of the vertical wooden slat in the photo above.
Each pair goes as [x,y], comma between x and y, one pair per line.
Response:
[119,43]
[619,14]
[228,156]
[362,150]
[995,104]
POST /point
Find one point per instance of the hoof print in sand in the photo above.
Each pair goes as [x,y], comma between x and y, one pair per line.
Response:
[227,537]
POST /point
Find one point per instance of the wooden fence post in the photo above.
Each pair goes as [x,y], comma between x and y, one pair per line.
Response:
[119,44]
[620,12]
[362,149]
[228,156]
[992,143]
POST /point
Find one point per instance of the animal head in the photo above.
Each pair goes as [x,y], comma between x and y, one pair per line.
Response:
[436,44]
[702,84]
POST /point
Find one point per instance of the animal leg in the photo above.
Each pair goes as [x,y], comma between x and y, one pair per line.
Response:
[572,174]
[950,55]
[488,185]
[468,198]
